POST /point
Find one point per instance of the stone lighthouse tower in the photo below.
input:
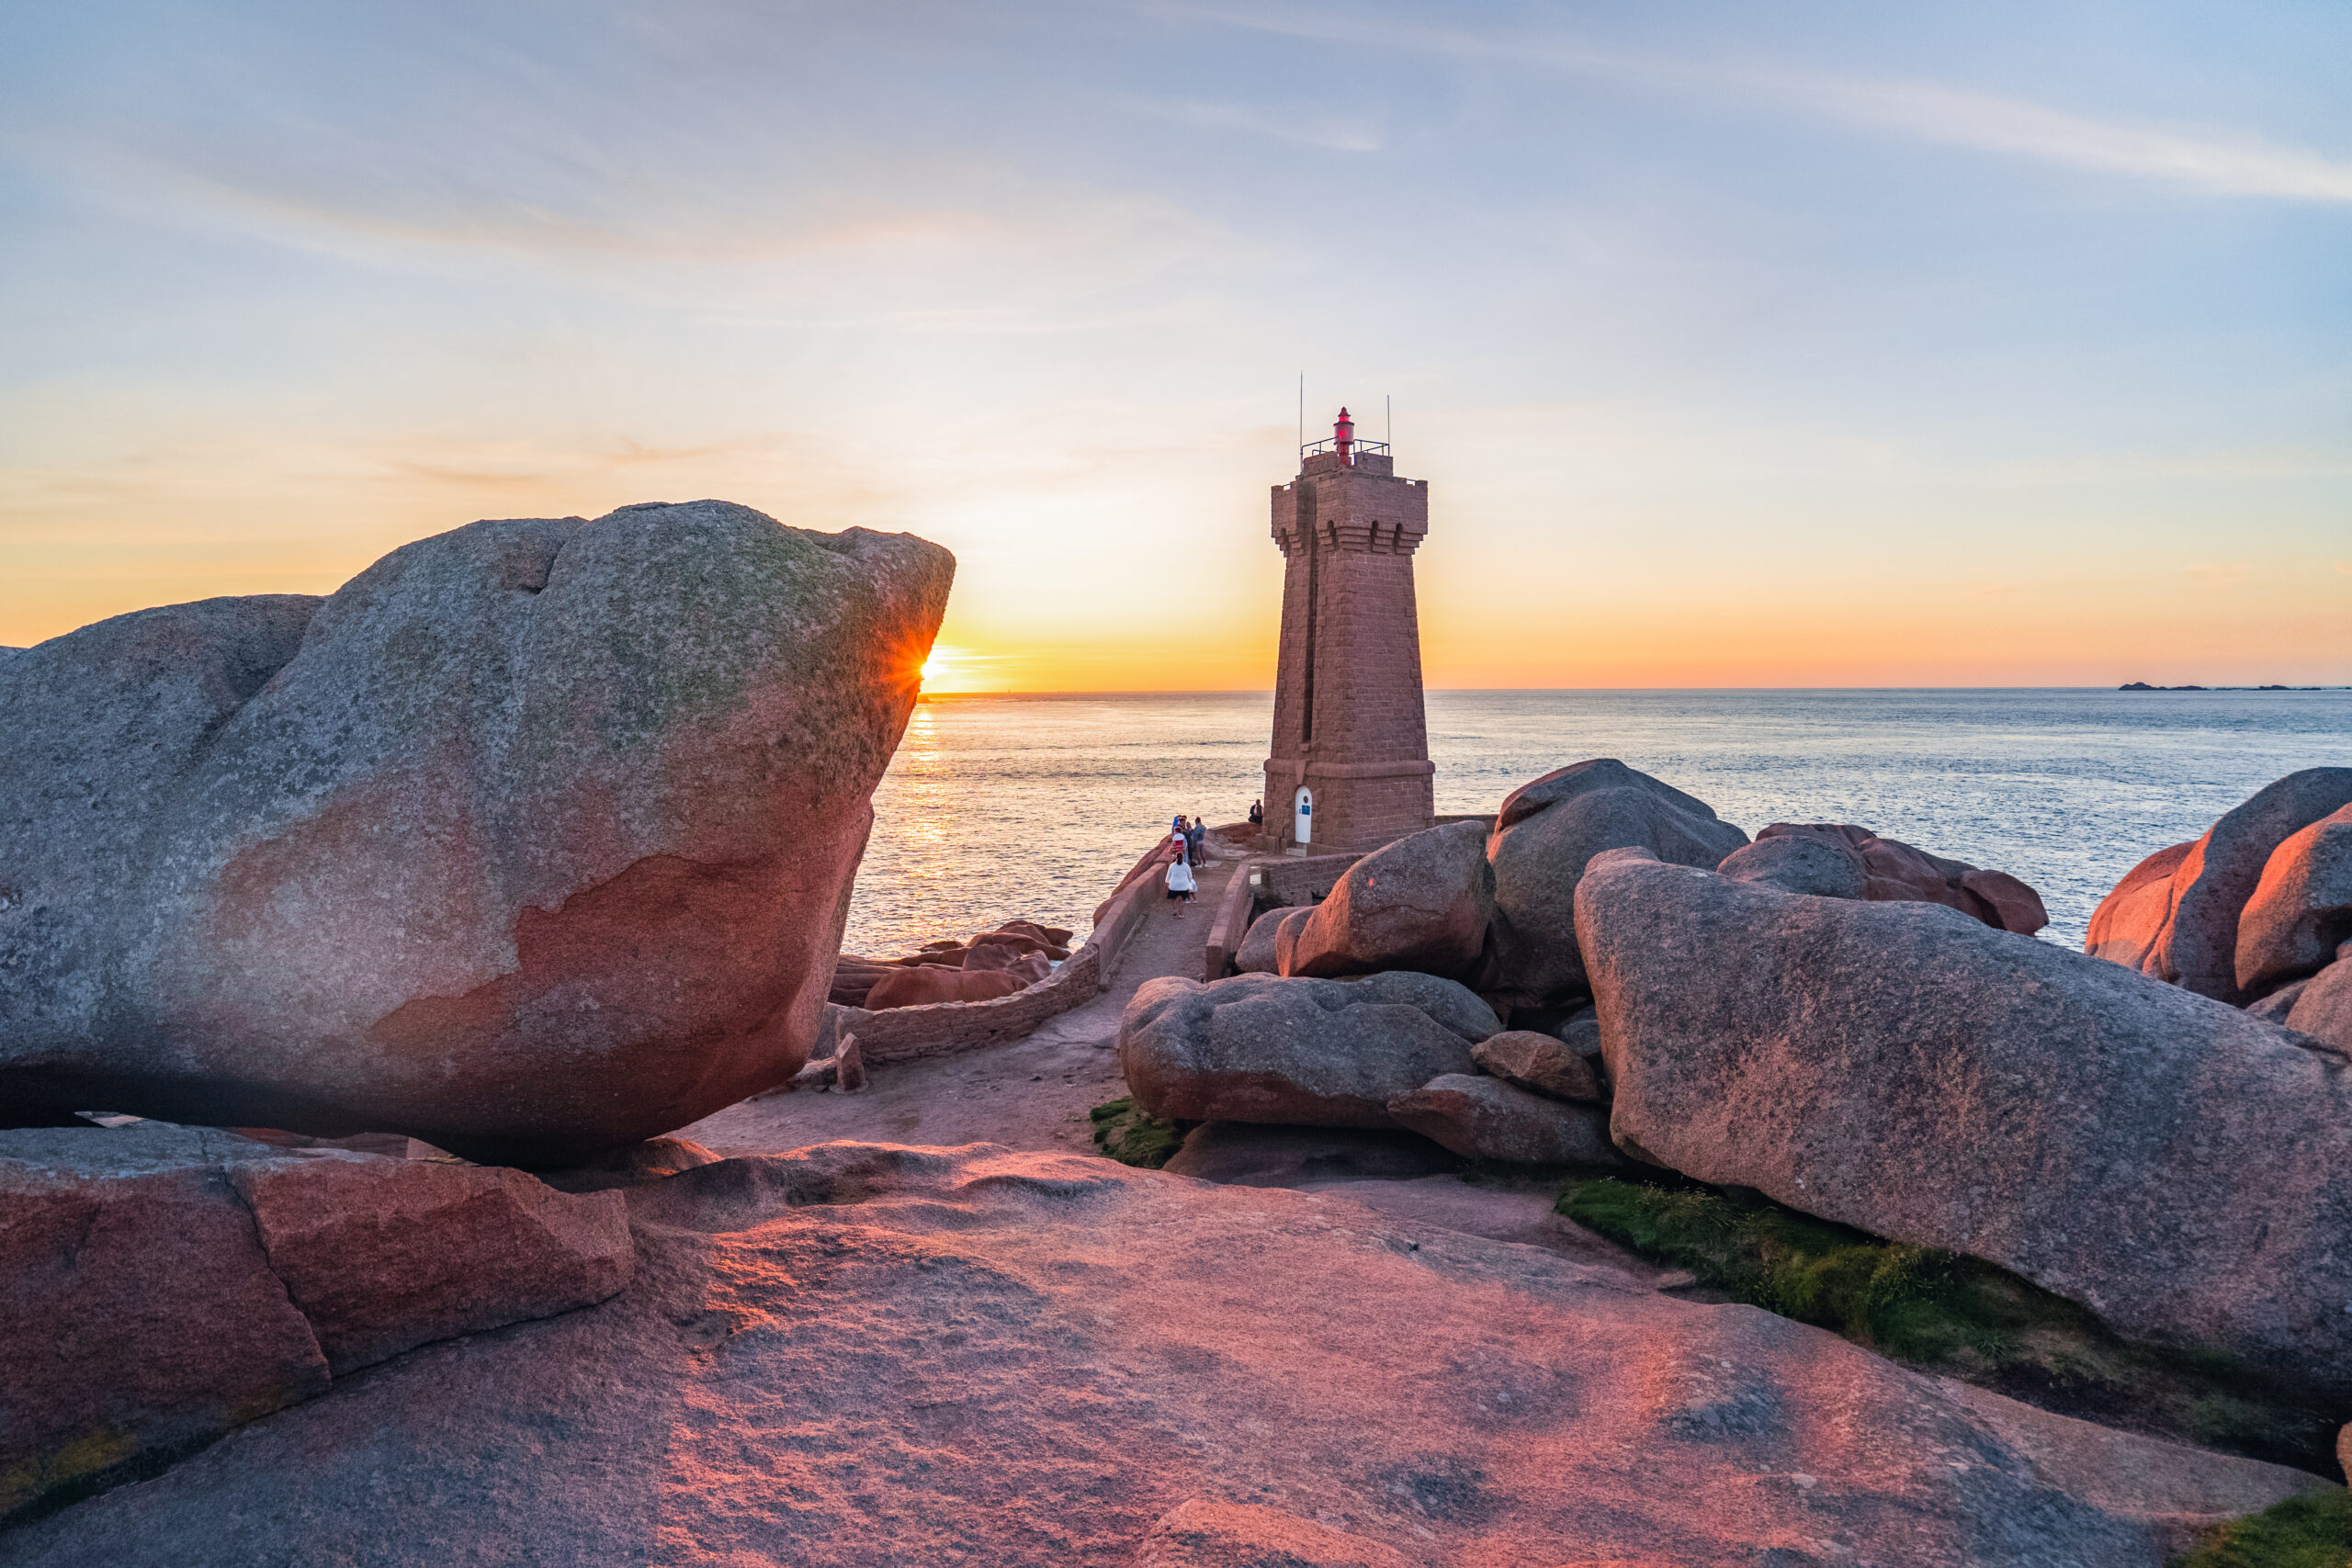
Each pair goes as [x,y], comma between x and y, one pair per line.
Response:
[1350,762]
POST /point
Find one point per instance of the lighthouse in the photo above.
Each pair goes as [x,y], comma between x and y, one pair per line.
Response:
[1350,765]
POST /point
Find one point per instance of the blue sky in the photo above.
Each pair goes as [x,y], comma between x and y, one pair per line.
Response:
[1801,344]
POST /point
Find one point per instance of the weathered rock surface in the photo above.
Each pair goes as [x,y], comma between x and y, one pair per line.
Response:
[2125,926]
[855,1356]
[139,1316]
[1800,863]
[1317,1053]
[1420,903]
[1205,1533]
[2182,1169]
[382,1256]
[1484,1118]
[534,839]
[1894,872]
[2186,932]
[2301,910]
[2323,1008]
[1544,834]
[1543,1063]
[1257,955]
[160,1285]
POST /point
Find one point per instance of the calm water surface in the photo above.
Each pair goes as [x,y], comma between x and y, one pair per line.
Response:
[1031,807]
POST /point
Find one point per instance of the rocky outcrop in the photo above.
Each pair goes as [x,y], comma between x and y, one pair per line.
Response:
[928,983]
[382,1256]
[1484,1118]
[858,1355]
[161,1285]
[2323,1008]
[1545,832]
[2301,912]
[1890,871]
[534,839]
[2187,932]
[1258,951]
[1541,1063]
[1800,863]
[2125,926]
[1420,903]
[2174,1165]
[1317,1053]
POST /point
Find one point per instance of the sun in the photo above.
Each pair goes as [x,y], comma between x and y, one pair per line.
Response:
[932,669]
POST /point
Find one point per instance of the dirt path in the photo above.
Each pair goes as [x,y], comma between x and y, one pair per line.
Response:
[1032,1094]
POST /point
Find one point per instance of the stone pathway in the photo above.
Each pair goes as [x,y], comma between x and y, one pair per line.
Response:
[1035,1092]
[1032,1094]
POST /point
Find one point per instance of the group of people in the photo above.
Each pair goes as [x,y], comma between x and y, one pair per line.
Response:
[1187,834]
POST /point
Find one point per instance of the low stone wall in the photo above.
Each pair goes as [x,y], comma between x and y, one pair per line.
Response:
[941,1029]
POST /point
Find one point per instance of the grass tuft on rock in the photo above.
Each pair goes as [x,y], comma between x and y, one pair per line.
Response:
[1955,1315]
[2301,1532]
[1127,1136]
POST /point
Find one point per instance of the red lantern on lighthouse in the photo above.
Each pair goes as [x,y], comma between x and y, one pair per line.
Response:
[1343,436]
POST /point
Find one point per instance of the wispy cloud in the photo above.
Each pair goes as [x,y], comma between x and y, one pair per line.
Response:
[2220,572]
[2220,160]
[1332,134]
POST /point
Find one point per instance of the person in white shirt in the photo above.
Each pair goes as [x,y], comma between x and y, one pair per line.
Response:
[1180,884]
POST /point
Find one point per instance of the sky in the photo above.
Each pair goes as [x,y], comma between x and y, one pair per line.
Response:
[1804,344]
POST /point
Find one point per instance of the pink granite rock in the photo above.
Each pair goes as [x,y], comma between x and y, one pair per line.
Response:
[1484,1118]
[139,1316]
[932,983]
[1544,833]
[2323,1008]
[382,1256]
[534,839]
[2302,909]
[1541,1063]
[857,1355]
[2194,941]
[2168,1161]
[2125,926]
[1420,903]
[1257,954]
[1894,872]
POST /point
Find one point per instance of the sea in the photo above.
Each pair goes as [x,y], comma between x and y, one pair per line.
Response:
[1031,807]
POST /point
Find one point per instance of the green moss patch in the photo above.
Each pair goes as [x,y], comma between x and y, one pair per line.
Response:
[1129,1136]
[2301,1532]
[1955,1315]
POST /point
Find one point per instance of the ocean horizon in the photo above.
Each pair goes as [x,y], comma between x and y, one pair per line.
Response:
[1000,805]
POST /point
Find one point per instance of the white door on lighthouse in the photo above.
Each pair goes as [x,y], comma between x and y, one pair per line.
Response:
[1304,832]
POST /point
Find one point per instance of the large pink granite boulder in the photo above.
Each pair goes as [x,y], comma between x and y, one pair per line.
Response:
[857,1355]
[2179,1168]
[2189,935]
[2302,909]
[1311,1053]
[534,839]
[1420,903]
[1544,833]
